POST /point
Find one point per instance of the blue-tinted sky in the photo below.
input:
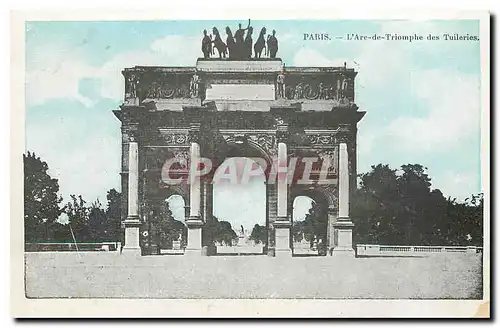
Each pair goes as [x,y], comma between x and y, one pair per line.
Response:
[422,98]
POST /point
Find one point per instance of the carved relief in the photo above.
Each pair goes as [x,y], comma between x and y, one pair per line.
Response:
[266,141]
[331,156]
[321,139]
[331,192]
[176,139]
[182,159]
[167,90]
[336,86]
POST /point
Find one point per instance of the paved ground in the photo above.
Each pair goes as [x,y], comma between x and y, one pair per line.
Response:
[175,276]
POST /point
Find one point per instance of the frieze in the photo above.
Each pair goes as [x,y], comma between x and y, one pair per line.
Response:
[337,87]
[165,83]
[174,137]
[266,141]
[321,139]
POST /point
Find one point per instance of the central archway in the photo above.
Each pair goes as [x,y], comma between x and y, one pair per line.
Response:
[239,207]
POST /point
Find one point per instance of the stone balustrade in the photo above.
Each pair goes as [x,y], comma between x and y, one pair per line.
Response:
[395,250]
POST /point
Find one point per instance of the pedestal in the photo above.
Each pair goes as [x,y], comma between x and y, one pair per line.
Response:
[194,247]
[176,245]
[132,245]
[282,243]
[343,238]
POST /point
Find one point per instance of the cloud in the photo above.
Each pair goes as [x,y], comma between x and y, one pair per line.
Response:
[55,72]
[457,184]
[453,112]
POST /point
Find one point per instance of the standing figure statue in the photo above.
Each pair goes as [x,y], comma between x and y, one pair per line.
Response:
[248,43]
[230,43]
[280,81]
[193,86]
[239,41]
[272,45]
[260,44]
[298,91]
[238,35]
[345,85]
[133,81]
[206,45]
[322,91]
[219,44]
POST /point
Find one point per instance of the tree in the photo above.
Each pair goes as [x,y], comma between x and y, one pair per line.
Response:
[78,217]
[401,208]
[165,228]
[112,226]
[226,234]
[313,227]
[259,234]
[41,200]
[96,223]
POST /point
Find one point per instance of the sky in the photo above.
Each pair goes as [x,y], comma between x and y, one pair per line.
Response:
[422,98]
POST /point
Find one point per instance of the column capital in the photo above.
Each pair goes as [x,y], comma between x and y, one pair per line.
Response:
[194,132]
[133,136]
[194,221]
[282,222]
[282,132]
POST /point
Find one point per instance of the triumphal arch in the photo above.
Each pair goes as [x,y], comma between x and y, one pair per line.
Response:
[246,107]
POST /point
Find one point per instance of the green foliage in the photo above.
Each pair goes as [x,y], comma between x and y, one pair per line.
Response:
[165,229]
[41,200]
[112,229]
[313,227]
[259,234]
[90,223]
[221,232]
[399,207]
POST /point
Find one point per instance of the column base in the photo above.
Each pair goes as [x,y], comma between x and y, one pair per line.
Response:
[282,241]
[283,253]
[343,252]
[193,252]
[131,251]
[194,248]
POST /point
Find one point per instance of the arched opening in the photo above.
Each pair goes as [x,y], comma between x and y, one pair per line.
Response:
[167,229]
[309,225]
[239,206]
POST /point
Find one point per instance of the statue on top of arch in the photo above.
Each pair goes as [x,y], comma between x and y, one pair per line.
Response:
[239,46]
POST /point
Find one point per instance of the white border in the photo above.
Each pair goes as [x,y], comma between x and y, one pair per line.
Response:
[23,307]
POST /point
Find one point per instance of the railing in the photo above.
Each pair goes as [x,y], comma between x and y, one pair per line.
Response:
[71,247]
[394,250]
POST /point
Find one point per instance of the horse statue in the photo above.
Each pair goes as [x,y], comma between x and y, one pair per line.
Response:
[260,44]
[219,44]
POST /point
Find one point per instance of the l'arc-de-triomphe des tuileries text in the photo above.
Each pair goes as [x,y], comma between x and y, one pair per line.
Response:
[238,106]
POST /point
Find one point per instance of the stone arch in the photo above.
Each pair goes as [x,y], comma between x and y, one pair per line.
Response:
[323,198]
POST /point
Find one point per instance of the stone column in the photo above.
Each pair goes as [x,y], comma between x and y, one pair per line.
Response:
[194,221]
[271,216]
[343,226]
[208,213]
[282,224]
[332,219]
[132,222]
